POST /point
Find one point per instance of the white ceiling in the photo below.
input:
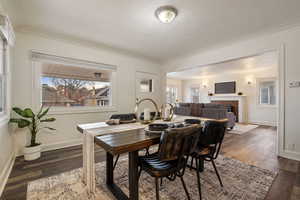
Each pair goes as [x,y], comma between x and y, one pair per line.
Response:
[130,25]
[266,61]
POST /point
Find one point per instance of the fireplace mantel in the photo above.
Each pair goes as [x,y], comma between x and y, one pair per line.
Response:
[242,104]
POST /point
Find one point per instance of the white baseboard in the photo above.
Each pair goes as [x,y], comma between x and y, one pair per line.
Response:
[6,172]
[290,155]
[59,145]
[264,123]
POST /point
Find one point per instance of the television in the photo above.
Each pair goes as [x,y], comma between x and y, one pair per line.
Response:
[225,88]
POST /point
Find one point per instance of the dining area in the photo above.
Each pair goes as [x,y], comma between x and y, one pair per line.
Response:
[163,149]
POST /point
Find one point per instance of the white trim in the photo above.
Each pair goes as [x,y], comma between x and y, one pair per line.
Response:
[83,109]
[6,172]
[37,57]
[264,123]
[290,155]
[280,139]
[258,92]
[5,114]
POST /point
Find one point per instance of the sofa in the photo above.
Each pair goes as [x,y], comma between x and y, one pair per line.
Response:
[206,110]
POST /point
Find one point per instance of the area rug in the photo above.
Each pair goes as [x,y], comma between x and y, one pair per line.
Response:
[241,182]
[242,128]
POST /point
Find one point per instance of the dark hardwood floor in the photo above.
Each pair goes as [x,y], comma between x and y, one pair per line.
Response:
[256,147]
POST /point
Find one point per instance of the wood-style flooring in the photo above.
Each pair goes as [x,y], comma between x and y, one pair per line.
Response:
[256,147]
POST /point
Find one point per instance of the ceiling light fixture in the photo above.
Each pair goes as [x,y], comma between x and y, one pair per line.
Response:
[166,14]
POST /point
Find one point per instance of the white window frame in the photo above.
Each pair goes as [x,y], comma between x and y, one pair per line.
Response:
[258,83]
[176,95]
[4,115]
[37,58]
[191,95]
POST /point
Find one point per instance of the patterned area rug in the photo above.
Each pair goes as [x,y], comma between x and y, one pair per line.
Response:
[241,182]
[242,128]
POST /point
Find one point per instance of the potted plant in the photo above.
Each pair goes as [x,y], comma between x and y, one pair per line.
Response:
[34,122]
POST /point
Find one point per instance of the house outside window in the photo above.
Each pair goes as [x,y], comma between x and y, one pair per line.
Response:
[195,95]
[172,94]
[71,85]
[267,92]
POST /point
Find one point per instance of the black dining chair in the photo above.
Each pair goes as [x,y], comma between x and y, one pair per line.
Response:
[209,145]
[170,161]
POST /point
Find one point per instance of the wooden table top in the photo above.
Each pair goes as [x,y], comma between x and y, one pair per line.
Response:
[126,141]
[122,138]
[101,128]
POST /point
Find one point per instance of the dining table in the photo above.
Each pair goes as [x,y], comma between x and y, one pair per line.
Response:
[115,140]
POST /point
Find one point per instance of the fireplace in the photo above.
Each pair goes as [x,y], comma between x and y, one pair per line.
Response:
[232,106]
[238,103]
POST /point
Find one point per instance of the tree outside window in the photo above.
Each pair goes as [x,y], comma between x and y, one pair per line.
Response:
[68,86]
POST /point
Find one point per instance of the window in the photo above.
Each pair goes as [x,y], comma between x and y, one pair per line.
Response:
[3,79]
[70,84]
[146,85]
[195,95]
[267,92]
[172,94]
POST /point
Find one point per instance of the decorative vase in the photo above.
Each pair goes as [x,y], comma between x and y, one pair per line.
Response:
[32,153]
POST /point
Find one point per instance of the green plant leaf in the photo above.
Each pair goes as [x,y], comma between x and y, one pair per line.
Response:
[42,114]
[14,120]
[52,129]
[40,111]
[19,111]
[48,120]
[22,123]
[28,113]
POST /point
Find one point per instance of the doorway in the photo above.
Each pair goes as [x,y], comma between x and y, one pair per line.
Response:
[257,89]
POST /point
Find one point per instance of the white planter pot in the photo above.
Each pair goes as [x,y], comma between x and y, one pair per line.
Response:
[32,153]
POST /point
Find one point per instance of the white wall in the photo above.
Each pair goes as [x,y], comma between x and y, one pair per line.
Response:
[66,123]
[289,42]
[255,113]
[178,84]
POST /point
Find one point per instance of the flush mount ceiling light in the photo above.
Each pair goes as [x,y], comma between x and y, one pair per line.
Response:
[166,14]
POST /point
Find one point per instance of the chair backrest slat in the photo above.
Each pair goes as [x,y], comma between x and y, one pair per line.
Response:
[177,142]
[213,135]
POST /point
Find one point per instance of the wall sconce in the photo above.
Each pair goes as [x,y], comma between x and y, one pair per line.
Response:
[249,80]
[205,84]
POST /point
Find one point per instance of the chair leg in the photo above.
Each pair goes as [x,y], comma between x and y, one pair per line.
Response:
[192,162]
[157,188]
[185,189]
[115,164]
[161,181]
[198,178]
[147,151]
[218,175]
